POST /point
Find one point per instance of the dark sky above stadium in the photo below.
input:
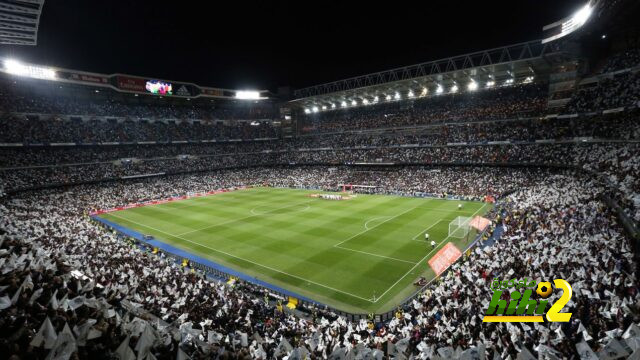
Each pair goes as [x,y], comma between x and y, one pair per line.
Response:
[266,44]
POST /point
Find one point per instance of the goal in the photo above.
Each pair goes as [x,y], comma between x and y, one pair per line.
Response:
[459,227]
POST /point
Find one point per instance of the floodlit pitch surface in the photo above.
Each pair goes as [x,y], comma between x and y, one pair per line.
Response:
[360,255]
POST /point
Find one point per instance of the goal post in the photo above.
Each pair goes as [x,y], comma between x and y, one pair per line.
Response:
[459,227]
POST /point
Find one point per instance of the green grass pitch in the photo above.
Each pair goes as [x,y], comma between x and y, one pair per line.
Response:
[360,255]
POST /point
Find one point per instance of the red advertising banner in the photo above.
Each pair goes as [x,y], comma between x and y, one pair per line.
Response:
[131,83]
[444,258]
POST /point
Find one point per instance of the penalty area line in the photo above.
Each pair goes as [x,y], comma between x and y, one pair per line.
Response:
[421,260]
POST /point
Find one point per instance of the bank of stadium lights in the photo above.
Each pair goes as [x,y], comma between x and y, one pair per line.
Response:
[508,81]
[388,97]
[490,84]
[15,67]
[324,107]
[581,16]
[315,109]
[397,96]
[354,102]
[424,92]
[410,94]
[439,89]
[333,106]
[247,95]
[454,88]
[365,102]
[376,99]
[343,104]
[472,85]
[307,111]
[528,80]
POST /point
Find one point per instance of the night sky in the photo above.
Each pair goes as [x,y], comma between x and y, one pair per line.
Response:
[266,44]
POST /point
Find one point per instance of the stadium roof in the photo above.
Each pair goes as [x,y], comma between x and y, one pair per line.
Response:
[516,63]
[19,20]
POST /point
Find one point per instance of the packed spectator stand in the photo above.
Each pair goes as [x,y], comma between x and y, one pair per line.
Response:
[70,286]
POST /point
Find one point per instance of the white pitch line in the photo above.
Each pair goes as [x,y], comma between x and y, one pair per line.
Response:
[372,254]
[421,260]
[373,227]
[366,224]
[425,230]
[242,259]
[239,219]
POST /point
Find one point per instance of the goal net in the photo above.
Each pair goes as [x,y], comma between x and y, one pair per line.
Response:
[459,227]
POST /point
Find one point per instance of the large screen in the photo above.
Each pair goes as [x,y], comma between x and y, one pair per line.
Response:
[159,88]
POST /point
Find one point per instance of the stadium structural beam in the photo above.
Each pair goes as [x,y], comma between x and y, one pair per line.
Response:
[19,21]
[486,58]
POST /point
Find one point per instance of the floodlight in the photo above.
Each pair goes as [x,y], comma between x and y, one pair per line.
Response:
[439,89]
[354,102]
[454,88]
[307,111]
[388,97]
[365,102]
[490,83]
[333,106]
[315,109]
[247,95]
[582,15]
[410,93]
[472,86]
[424,91]
[397,97]
[324,107]
[376,99]
[17,68]
[344,104]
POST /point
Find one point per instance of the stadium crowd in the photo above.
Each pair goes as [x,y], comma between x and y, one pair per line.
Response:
[73,287]
[608,93]
[623,60]
[44,130]
[489,104]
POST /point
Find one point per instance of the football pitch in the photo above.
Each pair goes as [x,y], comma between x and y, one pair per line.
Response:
[360,255]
